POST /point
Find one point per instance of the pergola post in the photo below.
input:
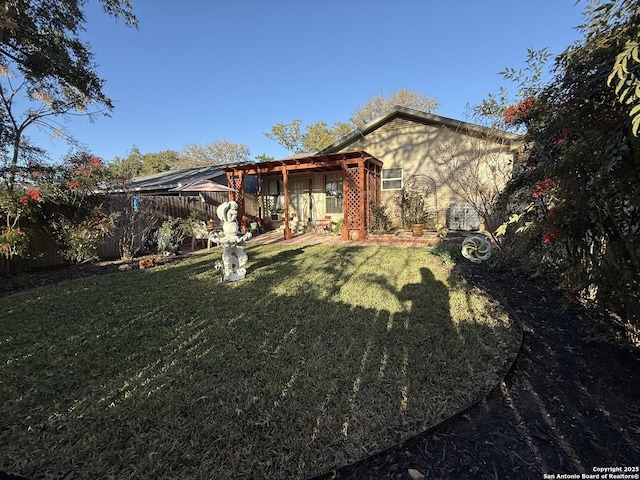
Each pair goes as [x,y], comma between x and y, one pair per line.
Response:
[285,184]
[362,234]
[344,233]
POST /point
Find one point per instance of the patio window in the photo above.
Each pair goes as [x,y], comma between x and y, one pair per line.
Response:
[274,199]
[392,179]
[333,193]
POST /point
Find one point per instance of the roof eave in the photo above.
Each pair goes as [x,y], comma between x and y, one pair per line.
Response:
[417,115]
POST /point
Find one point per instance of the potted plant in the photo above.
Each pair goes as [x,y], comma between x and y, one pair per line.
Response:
[414,208]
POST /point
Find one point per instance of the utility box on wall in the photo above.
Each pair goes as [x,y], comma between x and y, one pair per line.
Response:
[462,216]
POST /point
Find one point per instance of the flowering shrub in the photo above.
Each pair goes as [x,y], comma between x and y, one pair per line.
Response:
[14,242]
[543,187]
[32,195]
[551,235]
[75,212]
[573,208]
[81,239]
[15,208]
[521,112]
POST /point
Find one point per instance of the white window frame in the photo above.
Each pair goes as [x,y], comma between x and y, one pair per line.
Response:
[385,181]
[333,178]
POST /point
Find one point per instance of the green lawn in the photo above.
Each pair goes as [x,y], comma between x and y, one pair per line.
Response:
[321,356]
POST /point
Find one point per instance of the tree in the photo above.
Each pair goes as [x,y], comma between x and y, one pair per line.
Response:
[263,157]
[574,207]
[319,135]
[621,19]
[379,105]
[43,59]
[314,138]
[16,119]
[288,135]
[159,162]
[129,166]
[220,152]
[42,39]
[136,164]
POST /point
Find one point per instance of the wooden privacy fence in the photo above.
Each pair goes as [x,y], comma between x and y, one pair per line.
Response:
[153,208]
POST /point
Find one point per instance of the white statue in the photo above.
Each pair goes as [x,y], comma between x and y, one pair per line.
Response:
[233,255]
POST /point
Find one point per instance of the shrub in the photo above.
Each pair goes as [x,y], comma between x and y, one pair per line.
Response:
[381,222]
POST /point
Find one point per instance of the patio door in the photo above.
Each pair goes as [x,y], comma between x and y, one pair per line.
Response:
[300,197]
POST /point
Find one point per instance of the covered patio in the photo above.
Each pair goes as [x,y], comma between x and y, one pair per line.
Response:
[301,183]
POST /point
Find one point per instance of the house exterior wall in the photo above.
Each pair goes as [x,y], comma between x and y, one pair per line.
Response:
[446,156]
[313,206]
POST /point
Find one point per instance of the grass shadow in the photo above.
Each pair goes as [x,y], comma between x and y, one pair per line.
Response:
[319,357]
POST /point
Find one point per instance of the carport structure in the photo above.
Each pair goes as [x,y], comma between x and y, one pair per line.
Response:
[361,174]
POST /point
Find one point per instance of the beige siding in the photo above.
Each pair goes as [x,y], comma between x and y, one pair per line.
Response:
[441,153]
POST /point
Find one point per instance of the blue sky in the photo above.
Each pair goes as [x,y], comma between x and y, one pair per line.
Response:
[197,71]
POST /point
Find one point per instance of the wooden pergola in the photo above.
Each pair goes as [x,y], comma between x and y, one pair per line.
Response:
[360,184]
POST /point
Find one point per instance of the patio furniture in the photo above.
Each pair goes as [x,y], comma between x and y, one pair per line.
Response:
[324,225]
[201,234]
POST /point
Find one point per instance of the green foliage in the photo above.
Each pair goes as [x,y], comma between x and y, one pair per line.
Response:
[15,210]
[312,139]
[414,205]
[172,233]
[136,164]
[381,219]
[287,135]
[449,252]
[82,237]
[574,205]
[14,242]
[263,157]
[59,62]
[220,152]
[619,22]
[379,105]
[336,229]
[74,211]
[319,136]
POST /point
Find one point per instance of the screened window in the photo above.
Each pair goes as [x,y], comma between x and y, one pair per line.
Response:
[333,193]
[392,179]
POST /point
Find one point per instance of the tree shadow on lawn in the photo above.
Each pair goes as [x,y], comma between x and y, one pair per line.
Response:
[322,375]
[569,404]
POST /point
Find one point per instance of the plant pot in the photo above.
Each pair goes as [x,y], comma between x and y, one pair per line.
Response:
[417,229]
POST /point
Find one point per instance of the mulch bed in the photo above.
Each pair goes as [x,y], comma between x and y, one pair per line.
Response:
[570,403]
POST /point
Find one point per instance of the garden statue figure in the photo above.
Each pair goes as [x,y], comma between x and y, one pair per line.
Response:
[233,255]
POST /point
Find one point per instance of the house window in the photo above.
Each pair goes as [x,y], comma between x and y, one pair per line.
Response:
[392,179]
[333,193]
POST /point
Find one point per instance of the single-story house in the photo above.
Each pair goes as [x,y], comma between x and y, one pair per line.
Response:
[374,163]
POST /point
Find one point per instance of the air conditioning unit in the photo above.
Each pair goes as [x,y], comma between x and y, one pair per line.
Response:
[462,216]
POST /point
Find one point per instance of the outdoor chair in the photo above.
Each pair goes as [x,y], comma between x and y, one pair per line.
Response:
[200,234]
[323,226]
